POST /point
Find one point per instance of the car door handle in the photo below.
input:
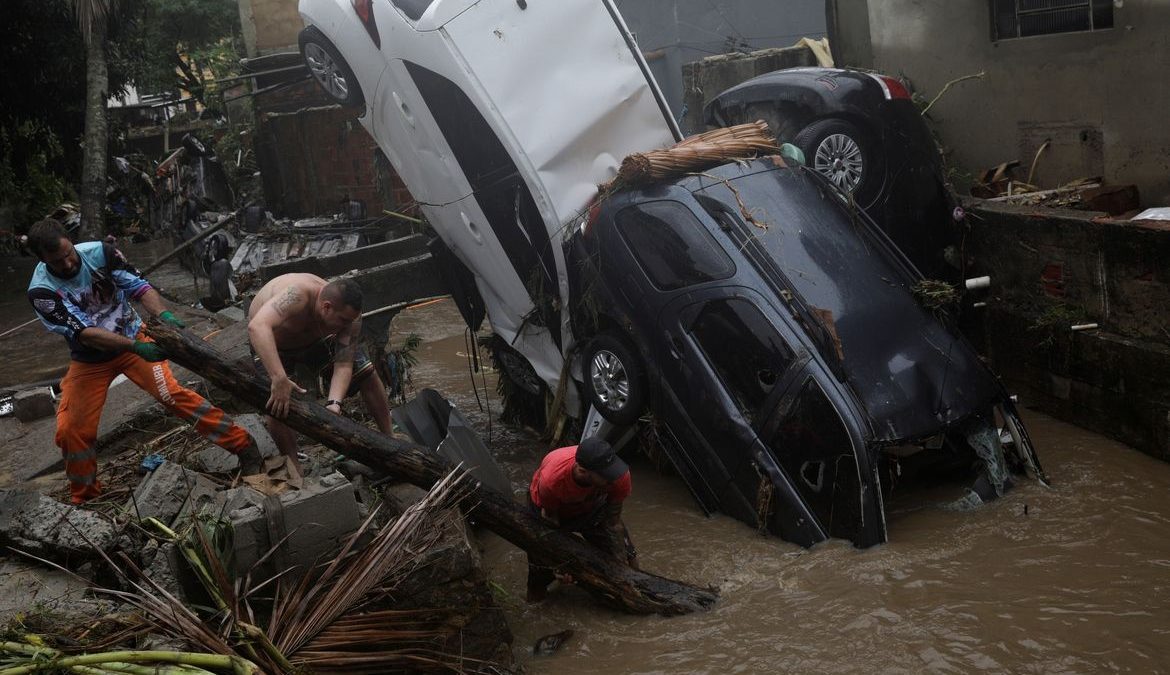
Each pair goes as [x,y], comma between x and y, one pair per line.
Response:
[674,346]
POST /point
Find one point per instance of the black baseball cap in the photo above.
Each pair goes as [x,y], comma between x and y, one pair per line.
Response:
[599,457]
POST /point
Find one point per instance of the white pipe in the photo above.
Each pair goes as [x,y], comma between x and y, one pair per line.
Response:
[978,282]
[1083,326]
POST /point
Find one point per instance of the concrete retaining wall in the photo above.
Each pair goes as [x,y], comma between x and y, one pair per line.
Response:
[1051,269]
[356,259]
[704,80]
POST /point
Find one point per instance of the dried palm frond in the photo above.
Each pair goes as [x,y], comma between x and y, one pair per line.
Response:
[696,153]
[349,581]
[325,621]
[91,14]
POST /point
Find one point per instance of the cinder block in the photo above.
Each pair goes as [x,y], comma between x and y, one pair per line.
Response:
[315,519]
[33,404]
[163,493]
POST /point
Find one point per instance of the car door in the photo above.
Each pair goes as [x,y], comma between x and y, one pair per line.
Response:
[656,252]
[819,446]
[726,364]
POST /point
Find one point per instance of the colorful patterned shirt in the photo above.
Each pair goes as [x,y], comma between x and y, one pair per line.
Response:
[97,296]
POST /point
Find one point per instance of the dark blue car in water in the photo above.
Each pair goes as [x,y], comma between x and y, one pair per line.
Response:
[769,328]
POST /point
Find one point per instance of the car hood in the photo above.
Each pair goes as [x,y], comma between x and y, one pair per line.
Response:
[913,375]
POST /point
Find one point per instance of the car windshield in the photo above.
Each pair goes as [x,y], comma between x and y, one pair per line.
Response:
[894,354]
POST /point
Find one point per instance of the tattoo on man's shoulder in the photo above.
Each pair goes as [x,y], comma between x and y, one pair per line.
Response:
[291,296]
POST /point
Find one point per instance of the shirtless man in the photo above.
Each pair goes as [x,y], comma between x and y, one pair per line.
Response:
[302,319]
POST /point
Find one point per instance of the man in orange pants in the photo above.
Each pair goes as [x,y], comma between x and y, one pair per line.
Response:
[83,293]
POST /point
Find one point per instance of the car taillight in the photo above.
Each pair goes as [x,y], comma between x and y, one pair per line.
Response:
[891,87]
[365,12]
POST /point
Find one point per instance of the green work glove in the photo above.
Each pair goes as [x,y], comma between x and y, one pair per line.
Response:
[149,351]
[168,316]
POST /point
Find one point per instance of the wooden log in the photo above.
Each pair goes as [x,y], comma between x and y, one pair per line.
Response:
[607,579]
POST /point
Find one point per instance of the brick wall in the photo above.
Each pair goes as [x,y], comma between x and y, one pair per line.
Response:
[1051,269]
[314,154]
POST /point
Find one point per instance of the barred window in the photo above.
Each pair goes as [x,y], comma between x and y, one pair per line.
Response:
[1024,18]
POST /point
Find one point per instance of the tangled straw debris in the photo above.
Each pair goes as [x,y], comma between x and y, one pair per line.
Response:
[697,153]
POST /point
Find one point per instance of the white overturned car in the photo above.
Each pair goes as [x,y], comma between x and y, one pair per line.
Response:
[502,117]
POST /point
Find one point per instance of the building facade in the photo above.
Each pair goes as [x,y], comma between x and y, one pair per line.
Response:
[1089,77]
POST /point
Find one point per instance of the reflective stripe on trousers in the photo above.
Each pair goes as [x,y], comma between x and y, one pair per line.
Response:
[83,393]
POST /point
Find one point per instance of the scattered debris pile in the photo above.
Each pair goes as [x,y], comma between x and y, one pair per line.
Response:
[278,574]
[1000,184]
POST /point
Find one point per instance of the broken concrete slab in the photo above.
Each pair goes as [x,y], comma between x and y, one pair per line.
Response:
[47,528]
[164,570]
[163,493]
[398,282]
[33,404]
[233,313]
[326,266]
[254,425]
[214,459]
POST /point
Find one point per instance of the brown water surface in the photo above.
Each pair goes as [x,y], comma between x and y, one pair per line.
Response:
[1069,579]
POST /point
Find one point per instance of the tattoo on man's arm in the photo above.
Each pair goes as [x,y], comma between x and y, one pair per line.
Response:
[291,296]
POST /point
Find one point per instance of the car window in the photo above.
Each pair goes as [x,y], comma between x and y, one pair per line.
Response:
[816,451]
[413,8]
[744,349]
[671,245]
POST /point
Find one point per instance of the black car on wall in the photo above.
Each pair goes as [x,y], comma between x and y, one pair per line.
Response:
[863,132]
[771,331]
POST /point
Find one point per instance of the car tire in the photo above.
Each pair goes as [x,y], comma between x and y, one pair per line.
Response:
[194,145]
[845,154]
[329,69]
[517,369]
[614,381]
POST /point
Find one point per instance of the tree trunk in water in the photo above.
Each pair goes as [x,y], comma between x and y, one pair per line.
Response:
[93,168]
[606,578]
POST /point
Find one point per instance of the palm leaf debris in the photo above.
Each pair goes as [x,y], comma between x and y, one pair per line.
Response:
[333,618]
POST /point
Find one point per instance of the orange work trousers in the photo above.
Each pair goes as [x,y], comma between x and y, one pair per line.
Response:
[83,393]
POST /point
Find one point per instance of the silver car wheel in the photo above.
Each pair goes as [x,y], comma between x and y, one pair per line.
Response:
[838,158]
[611,383]
[326,70]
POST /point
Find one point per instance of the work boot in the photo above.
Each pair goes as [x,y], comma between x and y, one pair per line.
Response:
[251,461]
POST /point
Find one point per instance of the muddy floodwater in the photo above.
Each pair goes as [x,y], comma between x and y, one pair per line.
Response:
[1068,579]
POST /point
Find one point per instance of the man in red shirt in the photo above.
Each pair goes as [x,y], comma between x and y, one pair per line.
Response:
[580,489]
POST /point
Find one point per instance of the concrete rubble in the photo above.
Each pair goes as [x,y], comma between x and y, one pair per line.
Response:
[47,528]
[304,525]
[33,404]
[164,491]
